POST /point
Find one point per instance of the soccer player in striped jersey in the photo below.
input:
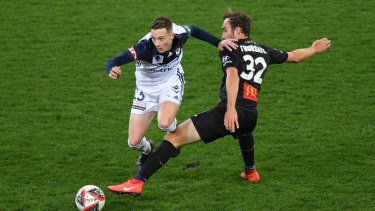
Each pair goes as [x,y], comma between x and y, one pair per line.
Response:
[159,78]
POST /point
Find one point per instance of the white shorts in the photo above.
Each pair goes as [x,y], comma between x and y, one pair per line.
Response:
[144,102]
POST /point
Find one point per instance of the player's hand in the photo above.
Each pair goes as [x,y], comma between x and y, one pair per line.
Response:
[115,72]
[321,45]
[228,44]
[231,120]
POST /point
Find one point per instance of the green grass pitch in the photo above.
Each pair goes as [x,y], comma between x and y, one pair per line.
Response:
[63,121]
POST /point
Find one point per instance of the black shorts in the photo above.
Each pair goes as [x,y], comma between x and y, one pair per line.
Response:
[210,124]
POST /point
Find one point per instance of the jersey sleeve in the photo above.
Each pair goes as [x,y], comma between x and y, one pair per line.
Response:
[136,52]
[183,33]
[228,59]
[277,56]
[119,60]
[203,35]
[139,50]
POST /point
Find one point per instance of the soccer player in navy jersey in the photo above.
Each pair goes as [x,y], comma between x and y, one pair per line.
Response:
[159,78]
[236,113]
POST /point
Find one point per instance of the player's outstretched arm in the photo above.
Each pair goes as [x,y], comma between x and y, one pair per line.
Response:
[205,36]
[302,54]
[113,65]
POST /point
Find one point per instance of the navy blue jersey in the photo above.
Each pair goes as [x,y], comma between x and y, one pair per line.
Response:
[146,51]
[252,61]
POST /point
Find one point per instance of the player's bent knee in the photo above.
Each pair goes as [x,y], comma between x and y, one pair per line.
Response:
[134,145]
[168,128]
[163,124]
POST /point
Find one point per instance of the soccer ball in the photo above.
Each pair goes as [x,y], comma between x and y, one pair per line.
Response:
[90,198]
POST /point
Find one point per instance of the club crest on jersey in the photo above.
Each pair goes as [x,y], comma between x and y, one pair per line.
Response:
[226,60]
[157,59]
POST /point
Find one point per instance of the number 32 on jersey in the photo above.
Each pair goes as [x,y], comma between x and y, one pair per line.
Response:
[251,64]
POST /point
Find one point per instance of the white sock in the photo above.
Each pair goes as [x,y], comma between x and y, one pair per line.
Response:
[147,147]
[171,128]
[143,146]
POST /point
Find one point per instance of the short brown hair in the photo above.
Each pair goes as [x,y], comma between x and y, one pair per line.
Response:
[161,23]
[238,19]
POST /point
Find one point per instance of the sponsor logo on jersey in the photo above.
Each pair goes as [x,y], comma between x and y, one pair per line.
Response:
[250,92]
[226,60]
[132,51]
[161,70]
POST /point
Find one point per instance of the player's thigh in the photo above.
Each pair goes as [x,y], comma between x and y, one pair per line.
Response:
[183,135]
[210,124]
[247,121]
[145,102]
[167,113]
[172,92]
[138,125]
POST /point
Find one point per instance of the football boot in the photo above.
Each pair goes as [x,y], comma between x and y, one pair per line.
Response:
[251,175]
[132,187]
